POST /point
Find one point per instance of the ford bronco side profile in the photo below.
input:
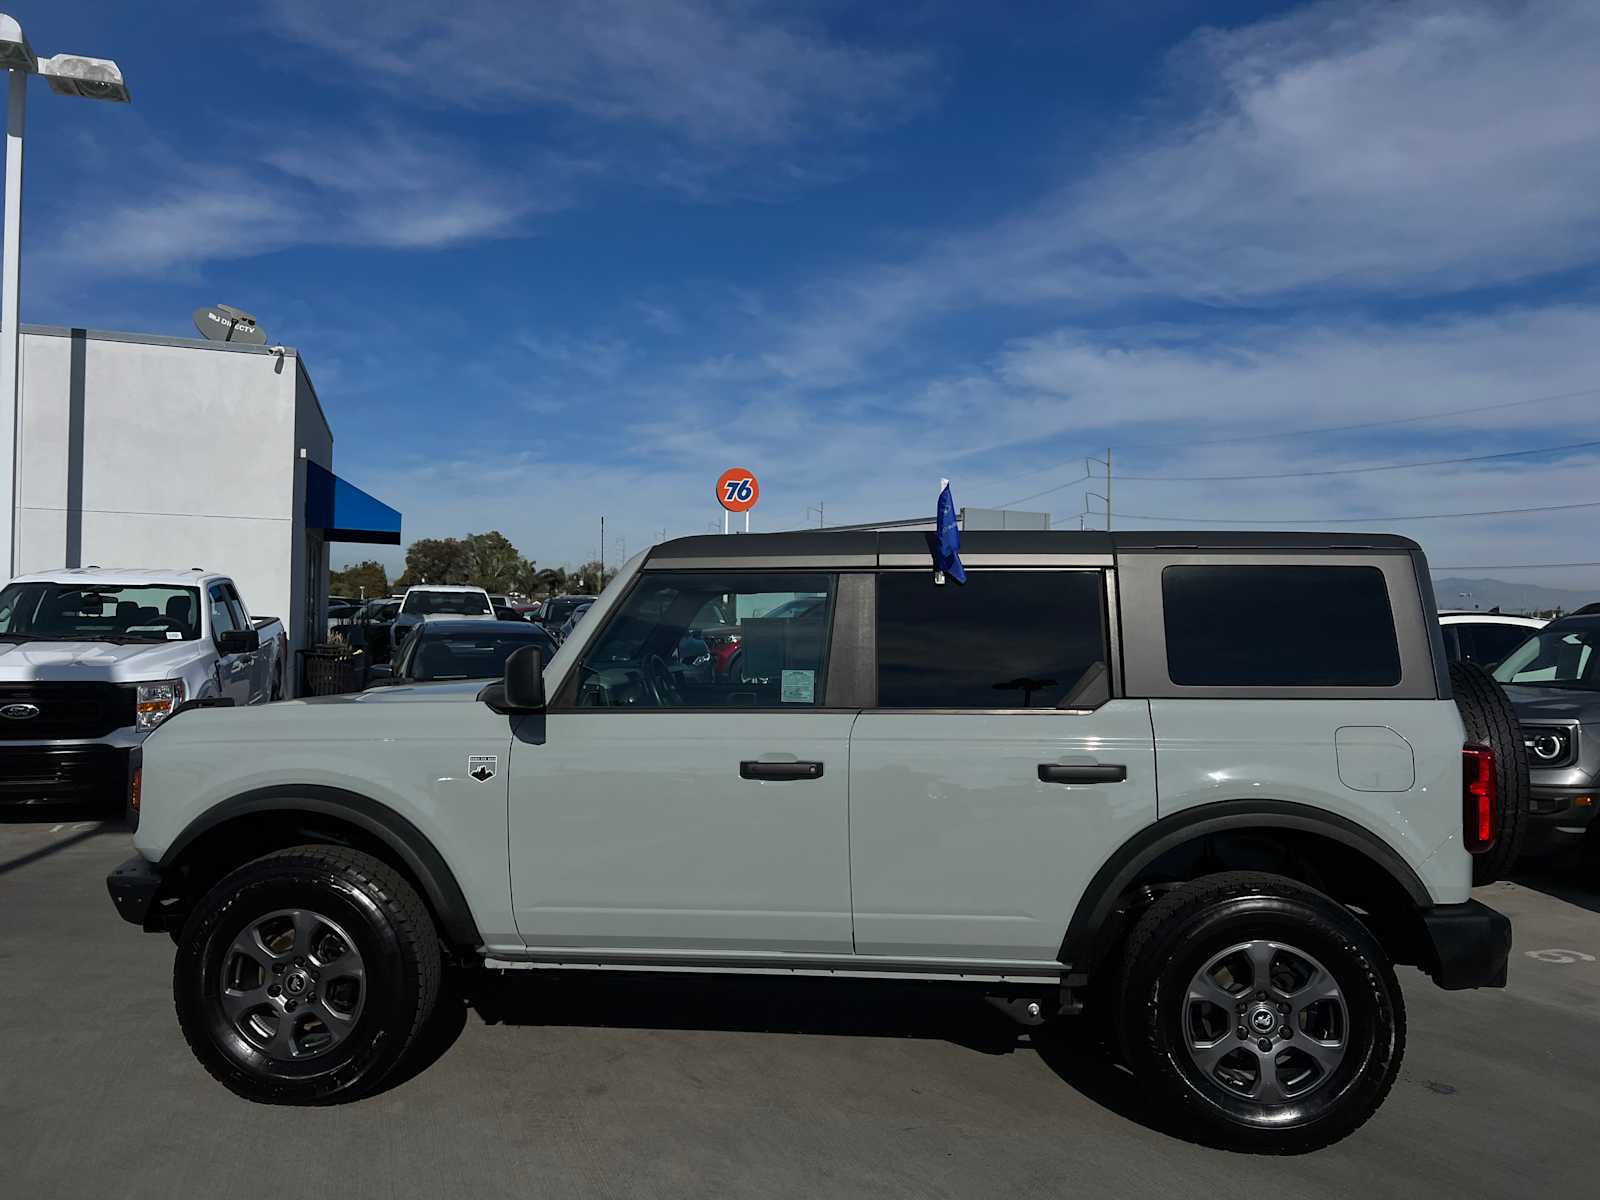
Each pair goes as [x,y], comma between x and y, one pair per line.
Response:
[1212,787]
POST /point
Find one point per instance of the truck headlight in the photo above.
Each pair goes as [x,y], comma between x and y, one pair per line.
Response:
[155,701]
[1548,745]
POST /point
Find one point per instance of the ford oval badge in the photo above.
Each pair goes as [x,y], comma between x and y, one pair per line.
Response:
[19,712]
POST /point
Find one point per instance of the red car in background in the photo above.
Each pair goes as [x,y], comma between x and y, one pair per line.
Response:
[726,641]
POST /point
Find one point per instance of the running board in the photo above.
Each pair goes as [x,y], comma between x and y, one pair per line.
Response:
[1049,974]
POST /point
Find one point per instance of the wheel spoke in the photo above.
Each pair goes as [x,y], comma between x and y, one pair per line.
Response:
[305,926]
[1205,988]
[283,1045]
[1269,1087]
[236,1003]
[1321,986]
[1208,1054]
[1327,1055]
[1261,955]
[248,943]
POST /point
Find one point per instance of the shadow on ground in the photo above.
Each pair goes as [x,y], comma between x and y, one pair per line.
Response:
[1575,879]
[823,1007]
[63,842]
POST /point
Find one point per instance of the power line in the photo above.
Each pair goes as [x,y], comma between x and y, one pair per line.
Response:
[1437,462]
[1288,521]
[1046,492]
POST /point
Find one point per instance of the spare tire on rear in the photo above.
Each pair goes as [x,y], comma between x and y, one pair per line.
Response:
[1492,722]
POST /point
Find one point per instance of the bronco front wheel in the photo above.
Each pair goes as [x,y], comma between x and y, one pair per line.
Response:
[304,976]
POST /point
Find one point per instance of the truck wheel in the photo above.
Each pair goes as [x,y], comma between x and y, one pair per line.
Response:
[303,977]
[1260,1014]
[1492,722]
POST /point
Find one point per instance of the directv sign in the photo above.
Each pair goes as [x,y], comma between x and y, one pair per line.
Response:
[224,323]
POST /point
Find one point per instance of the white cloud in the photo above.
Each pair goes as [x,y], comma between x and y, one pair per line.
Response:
[1346,150]
[708,70]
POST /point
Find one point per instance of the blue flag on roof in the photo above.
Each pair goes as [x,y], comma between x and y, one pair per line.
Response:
[947,541]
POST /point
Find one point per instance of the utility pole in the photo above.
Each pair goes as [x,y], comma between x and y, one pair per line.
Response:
[1108,489]
[1106,463]
[602,551]
[816,508]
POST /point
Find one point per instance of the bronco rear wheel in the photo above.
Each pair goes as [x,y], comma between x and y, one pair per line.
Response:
[1491,721]
[1261,1014]
[304,976]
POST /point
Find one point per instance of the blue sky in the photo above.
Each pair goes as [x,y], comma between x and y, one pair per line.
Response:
[550,261]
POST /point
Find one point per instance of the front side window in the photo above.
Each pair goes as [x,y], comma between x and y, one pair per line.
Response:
[1487,644]
[453,604]
[60,612]
[1561,654]
[712,640]
[1295,625]
[1003,639]
[222,615]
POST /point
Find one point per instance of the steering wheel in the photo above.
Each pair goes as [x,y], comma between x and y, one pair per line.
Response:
[659,677]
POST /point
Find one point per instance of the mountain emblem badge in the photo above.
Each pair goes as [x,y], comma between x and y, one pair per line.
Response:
[482,767]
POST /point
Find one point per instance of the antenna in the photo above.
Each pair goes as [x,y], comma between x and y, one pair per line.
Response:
[225,323]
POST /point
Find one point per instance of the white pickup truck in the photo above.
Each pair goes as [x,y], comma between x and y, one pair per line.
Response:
[93,659]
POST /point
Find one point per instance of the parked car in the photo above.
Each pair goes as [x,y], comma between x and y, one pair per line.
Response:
[442,648]
[438,600]
[93,660]
[1484,638]
[557,609]
[576,615]
[1553,681]
[1110,772]
[723,633]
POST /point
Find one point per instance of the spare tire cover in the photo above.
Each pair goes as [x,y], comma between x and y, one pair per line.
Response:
[1492,722]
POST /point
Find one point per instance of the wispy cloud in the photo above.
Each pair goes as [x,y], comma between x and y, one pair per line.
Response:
[709,71]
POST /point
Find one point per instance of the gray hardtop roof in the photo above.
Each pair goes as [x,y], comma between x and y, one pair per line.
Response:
[869,548]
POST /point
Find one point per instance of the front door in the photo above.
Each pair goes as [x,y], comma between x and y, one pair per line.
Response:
[676,802]
[235,672]
[996,773]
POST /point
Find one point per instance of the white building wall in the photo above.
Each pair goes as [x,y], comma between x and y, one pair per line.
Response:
[168,453]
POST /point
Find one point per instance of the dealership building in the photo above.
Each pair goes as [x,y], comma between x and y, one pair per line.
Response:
[144,451]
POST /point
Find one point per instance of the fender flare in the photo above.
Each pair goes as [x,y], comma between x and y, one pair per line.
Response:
[1117,873]
[408,843]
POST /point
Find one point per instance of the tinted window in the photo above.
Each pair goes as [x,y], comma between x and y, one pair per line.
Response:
[460,604]
[468,656]
[222,619]
[655,650]
[1559,655]
[1003,639]
[1272,626]
[1488,644]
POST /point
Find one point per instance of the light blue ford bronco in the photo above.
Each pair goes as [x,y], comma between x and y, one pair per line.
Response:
[1212,786]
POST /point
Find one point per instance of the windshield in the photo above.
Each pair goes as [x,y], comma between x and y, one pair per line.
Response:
[467,656]
[456,604]
[73,612]
[1560,655]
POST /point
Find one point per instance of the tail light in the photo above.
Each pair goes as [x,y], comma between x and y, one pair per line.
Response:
[1480,799]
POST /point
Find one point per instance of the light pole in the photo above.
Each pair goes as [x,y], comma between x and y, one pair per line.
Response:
[69,75]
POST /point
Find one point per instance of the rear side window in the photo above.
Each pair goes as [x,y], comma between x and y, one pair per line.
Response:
[1279,626]
[1003,639]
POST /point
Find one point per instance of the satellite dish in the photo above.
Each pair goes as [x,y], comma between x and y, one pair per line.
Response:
[225,323]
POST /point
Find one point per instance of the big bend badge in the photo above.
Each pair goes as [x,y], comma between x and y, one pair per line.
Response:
[482,767]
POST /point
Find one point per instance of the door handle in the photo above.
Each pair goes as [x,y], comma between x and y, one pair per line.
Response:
[759,769]
[1083,773]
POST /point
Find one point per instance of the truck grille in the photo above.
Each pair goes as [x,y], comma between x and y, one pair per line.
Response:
[63,775]
[63,710]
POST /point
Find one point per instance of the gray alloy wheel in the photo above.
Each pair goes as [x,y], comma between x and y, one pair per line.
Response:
[1265,1021]
[293,984]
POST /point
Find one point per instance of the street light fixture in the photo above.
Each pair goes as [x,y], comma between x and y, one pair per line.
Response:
[69,75]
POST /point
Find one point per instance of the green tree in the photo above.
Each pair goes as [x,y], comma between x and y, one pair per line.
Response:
[493,563]
[587,579]
[363,579]
[434,560]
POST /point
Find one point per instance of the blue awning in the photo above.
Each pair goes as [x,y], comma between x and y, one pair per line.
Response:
[345,513]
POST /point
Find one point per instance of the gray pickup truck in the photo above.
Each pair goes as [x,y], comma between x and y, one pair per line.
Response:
[93,660]
[1553,680]
[1207,789]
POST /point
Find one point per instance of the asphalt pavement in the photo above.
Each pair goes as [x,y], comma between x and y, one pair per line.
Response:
[610,1085]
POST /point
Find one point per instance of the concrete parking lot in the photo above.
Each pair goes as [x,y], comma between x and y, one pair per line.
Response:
[618,1086]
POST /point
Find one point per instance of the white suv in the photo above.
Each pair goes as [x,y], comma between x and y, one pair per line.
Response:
[1212,786]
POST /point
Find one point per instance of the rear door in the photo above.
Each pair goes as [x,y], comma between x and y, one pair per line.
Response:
[998,768]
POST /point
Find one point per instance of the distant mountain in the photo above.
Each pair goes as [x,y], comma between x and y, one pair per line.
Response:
[1510,597]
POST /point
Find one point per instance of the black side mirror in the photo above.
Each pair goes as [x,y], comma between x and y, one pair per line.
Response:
[524,681]
[380,671]
[238,641]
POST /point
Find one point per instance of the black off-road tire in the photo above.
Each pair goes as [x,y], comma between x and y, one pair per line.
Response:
[1492,722]
[1179,934]
[396,940]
